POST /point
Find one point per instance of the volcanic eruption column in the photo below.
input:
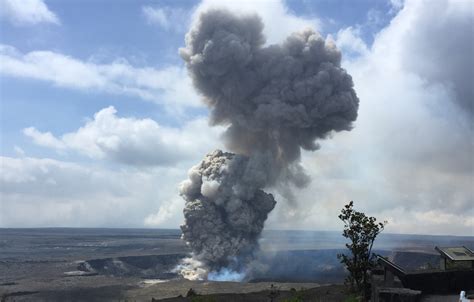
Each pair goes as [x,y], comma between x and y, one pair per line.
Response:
[275,100]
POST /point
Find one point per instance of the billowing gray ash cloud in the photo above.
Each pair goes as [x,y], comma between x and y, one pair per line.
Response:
[275,101]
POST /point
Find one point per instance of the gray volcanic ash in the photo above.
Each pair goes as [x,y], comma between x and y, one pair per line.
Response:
[275,100]
[225,210]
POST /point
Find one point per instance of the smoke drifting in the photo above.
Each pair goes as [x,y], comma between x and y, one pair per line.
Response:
[275,100]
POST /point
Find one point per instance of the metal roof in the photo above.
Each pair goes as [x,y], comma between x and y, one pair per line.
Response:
[457,253]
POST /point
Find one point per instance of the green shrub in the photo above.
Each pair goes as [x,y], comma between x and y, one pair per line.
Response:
[361,231]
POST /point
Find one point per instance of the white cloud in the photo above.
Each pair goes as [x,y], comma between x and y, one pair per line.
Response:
[156,16]
[350,43]
[170,86]
[170,211]
[45,192]
[45,139]
[396,5]
[19,151]
[430,222]
[443,35]
[139,142]
[27,12]
[279,21]
[175,19]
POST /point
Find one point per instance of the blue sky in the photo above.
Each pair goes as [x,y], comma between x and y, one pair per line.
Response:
[102,33]
[95,98]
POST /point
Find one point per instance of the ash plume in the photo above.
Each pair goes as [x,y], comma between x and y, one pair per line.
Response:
[275,101]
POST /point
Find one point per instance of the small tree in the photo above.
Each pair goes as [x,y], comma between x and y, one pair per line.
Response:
[361,231]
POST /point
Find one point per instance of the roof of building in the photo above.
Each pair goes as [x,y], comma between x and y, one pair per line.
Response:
[457,253]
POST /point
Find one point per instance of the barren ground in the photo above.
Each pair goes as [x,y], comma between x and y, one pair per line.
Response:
[136,265]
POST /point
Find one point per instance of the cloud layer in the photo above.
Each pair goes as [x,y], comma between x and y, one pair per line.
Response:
[175,19]
[46,192]
[136,142]
[27,12]
[169,86]
[441,48]
[410,157]
[279,21]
